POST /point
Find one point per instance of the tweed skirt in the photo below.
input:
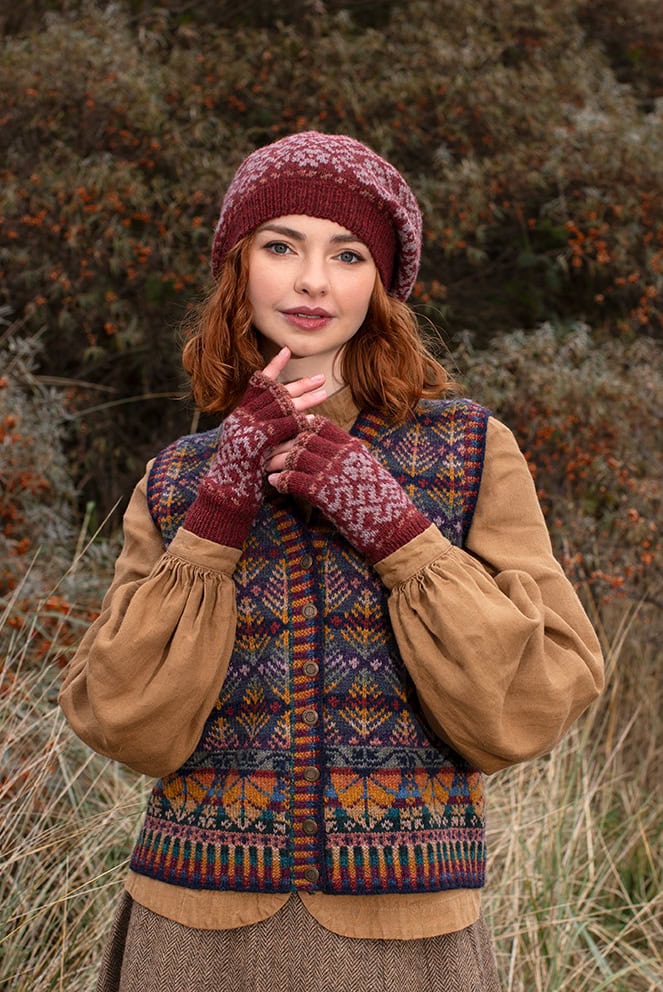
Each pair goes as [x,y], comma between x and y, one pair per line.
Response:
[289,952]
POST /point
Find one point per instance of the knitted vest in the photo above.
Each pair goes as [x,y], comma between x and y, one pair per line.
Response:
[316,768]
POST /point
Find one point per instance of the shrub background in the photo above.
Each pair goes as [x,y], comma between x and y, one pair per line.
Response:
[532,135]
[531,132]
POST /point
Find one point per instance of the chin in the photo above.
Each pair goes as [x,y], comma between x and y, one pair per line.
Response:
[304,350]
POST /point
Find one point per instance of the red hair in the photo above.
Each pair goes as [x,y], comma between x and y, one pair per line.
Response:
[386,364]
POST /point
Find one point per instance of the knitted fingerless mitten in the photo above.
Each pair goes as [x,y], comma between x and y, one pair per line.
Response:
[338,474]
[231,492]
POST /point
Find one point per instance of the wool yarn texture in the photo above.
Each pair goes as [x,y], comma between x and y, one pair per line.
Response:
[338,475]
[334,177]
[232,490]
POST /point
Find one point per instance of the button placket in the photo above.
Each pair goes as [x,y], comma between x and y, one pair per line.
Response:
[307,822]
[311,773]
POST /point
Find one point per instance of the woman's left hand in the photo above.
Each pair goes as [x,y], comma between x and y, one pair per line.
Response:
[338,474]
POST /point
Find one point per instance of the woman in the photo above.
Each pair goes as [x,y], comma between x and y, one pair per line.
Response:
[329,618]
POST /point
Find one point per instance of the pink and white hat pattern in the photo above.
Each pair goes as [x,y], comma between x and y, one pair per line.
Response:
[330,176]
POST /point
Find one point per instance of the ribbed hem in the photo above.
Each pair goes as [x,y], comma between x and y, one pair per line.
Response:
[316,197]
[216,521]
[413,524]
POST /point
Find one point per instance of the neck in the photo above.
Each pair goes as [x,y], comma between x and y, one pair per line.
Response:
[298,368]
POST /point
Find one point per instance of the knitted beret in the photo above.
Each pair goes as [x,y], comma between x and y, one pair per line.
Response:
[334,177]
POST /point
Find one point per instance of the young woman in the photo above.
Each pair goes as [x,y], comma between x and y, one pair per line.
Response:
[329,618]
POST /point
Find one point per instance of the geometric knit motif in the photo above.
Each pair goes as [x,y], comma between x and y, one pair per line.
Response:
[316,768]
[334,177]
[339,475]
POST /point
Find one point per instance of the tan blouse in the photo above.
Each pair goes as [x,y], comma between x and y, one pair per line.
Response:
[496,641]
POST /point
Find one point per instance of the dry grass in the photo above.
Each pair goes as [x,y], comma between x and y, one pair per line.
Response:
[574,895]
[575,890]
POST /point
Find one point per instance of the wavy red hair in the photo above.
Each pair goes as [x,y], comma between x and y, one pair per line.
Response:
[386,364]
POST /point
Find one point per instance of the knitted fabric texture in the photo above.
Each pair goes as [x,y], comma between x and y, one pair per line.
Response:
[334,177]
[339,475]
[316,768]
[231,492]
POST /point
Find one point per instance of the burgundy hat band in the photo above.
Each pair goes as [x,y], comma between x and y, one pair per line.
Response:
[314,197]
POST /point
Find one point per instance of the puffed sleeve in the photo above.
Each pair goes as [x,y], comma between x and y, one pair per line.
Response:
[149,669]
[498,645]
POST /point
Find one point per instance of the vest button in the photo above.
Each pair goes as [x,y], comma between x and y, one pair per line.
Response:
[311,874]
[309,826]
[310,611]
[311,774]
[306,561]
[310,717]
[311,668]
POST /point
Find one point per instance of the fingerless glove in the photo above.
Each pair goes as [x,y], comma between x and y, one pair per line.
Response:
[337,474]
[231,492]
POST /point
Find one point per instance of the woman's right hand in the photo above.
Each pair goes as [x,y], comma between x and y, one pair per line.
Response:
[269,413]
[305,393]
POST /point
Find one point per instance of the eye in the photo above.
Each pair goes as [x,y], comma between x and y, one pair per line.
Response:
[350,257]
[278,247]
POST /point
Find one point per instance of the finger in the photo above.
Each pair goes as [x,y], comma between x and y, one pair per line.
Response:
[274,368]
[308,400]
[284,447]
[306,385]
[276,463]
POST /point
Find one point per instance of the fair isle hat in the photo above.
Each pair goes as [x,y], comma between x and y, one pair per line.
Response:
[334,177]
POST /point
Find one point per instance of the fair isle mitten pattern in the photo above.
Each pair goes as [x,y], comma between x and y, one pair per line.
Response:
[231,492]
[338,475]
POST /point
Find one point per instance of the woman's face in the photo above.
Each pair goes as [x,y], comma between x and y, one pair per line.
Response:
[310,283]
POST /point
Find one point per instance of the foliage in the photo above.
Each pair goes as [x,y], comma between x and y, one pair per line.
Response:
[39,534]
[66,819]
[633,41]
[37,499]
[539,172]
[575,885]
[589,420]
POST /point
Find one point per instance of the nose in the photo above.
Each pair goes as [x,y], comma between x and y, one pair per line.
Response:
[312,278]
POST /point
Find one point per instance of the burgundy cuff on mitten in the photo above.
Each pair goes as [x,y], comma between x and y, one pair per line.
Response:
[230,495]
[219,520]
[337,473]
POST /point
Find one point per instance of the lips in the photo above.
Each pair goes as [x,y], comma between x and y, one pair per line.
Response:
[307,318]
[307,312]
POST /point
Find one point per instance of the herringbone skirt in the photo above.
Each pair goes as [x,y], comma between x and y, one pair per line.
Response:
[289,952]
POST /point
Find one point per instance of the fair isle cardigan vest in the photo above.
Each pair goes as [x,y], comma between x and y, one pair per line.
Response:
[316,768]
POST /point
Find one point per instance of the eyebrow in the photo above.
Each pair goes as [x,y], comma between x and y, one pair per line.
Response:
[290,232]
